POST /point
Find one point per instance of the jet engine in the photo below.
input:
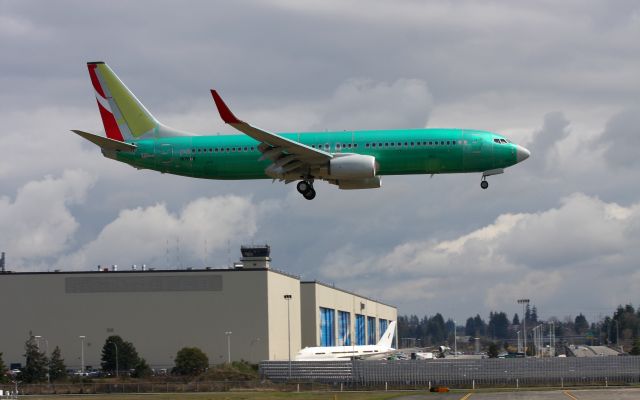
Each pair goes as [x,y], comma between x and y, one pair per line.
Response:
[349,166]
[368,183]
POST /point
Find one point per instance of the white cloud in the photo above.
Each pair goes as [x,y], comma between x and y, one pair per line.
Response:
[37,224]
[528,254]
[145,234]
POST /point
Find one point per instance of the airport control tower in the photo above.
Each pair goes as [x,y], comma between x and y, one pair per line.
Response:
[255,256]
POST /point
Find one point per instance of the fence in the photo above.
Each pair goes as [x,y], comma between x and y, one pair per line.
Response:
[460,372]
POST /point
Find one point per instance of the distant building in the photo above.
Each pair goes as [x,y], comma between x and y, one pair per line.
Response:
[161,311]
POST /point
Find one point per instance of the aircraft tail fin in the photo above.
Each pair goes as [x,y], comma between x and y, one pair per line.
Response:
[387,338]
[123,115]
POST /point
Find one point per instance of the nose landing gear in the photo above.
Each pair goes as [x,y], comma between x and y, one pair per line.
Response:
[305,188]
[483,183]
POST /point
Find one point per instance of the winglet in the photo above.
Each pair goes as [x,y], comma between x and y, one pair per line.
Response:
[226,114]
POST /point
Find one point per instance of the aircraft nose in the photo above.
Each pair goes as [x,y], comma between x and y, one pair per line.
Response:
[522,153]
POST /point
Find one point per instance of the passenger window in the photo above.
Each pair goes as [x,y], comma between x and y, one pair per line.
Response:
[366,145]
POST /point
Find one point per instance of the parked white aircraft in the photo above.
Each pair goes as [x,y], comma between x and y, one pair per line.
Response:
[347,352]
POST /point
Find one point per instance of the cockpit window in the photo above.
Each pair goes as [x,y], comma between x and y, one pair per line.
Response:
[503,140]
[497,140]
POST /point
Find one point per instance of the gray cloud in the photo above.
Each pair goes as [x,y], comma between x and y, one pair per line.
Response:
[621,139]
[287,66]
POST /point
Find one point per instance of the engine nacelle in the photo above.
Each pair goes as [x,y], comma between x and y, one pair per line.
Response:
[349,166]
[367,183]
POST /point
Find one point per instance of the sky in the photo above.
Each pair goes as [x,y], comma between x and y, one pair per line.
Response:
[560,78]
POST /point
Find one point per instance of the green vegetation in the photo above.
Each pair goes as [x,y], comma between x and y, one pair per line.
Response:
[57,369]
[3,371]
[190,361]
[117,351]
[237,371]
[244,395]
[35,370]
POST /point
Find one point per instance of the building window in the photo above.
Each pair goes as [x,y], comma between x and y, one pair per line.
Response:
[327,327]
[360,333]
[383,326]
[371,330]
[344,328]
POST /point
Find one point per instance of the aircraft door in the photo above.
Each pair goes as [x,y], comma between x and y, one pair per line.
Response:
[472,151]
[165,155]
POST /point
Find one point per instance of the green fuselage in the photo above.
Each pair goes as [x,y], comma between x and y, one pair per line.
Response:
[397,152]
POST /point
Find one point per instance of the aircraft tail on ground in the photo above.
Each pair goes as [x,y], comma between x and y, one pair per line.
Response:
[124,117]
[387,338]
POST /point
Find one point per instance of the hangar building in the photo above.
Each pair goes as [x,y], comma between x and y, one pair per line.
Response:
[245,312]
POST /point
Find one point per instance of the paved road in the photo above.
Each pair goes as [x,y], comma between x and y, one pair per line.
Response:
[578,394]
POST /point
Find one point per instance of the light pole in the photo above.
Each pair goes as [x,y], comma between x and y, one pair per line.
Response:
[46,343]
[455,340]
[524,303]
[116,346]
[228,333]
[287,297]
[82,355]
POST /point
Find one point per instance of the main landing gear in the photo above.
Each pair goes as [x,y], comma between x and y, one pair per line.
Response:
[305,188]
[483,183]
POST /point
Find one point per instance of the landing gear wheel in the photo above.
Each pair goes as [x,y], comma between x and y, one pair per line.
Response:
[484,184]
[310,194]
[303,187]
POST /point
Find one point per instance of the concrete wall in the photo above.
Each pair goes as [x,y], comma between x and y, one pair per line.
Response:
[162,311]
[316,295]
[159,312]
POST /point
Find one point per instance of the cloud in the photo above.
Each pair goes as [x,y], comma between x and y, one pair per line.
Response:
[37,224]
[621,139]
[153,235]
[555,128]
[532,254]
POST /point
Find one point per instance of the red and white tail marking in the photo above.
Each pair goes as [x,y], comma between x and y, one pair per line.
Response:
[108,120]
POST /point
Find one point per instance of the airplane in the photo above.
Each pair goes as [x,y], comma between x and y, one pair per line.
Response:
[332,353]
[348,159]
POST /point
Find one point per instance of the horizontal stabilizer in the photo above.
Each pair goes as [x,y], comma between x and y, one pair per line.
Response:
[105,143]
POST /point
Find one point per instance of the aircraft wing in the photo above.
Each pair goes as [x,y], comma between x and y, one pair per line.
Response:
[287,155]
[105,143]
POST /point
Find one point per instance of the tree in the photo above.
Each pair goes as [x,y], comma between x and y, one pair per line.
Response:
[3,371]
[190,361]
[635,350]
[142,369]
[57,369]
[516,320]
[35,369]
[493,350]
[499,325]
[580,324]
[534,315]
[127,356]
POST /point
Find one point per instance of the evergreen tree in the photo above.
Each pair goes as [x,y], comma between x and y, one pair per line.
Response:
[142,369]
[3,371]
[534,315]
[35,369]
[635,350]
[127,356]
[470,327]
[493,350]
[516,320]
[499,325]
[527,314]
[57,369]
[580,324]
[190,361]
[481,327]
